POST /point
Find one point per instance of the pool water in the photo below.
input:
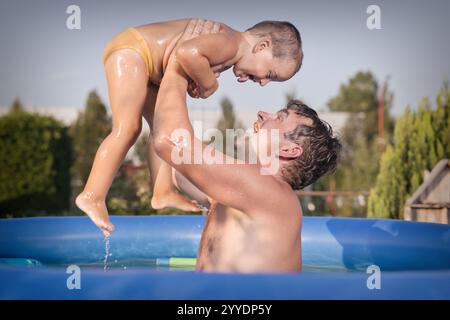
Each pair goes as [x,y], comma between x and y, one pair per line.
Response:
[152,264]
[154,258]
[160,264]
[149,264]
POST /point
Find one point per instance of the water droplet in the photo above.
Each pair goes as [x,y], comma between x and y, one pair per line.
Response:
[107,254]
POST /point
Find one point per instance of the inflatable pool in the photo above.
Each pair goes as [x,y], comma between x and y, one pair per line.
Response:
[152,257]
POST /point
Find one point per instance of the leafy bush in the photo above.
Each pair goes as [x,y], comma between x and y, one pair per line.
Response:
[35,158]
[422,138]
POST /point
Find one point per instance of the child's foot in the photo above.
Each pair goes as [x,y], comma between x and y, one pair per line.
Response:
[96,210]
[174,200]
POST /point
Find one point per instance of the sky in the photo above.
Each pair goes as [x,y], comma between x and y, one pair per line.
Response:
[45,64]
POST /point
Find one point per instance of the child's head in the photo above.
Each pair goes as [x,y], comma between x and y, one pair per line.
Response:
[275,54]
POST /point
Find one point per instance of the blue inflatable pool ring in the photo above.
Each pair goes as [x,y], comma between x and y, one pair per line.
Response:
[153,257]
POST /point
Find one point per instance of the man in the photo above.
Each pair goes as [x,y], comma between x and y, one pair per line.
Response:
[254,222]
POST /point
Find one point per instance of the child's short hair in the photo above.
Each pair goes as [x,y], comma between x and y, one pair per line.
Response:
[286,39]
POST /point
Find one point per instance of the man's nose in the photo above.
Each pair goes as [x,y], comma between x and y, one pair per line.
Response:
[263,116]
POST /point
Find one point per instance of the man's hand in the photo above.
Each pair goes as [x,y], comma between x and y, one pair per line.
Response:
[217,180]
[195,28]
[193,89]
[196,92]
[198,27]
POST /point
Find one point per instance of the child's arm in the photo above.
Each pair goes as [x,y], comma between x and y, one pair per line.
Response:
[196,56]
[217,180]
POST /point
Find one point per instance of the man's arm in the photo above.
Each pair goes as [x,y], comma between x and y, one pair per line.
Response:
[197,55]
[235,185]
[188,188]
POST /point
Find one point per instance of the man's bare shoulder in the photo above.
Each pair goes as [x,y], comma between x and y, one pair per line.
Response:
[276,197]
[288,198]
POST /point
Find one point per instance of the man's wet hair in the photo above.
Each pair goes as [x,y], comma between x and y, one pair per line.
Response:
[285,37]
[321,149]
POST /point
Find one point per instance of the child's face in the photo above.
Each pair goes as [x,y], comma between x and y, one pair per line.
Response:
[260,66]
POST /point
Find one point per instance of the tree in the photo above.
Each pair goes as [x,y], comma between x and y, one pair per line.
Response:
[88,131]
[36,154]
[16,106]
[141,147]
[130,193]
[360,97]
[361,147]
[290,95]
[440,121]
[389,194]
[227,121]
[421,140]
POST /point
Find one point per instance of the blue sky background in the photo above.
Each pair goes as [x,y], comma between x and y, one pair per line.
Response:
[45,64]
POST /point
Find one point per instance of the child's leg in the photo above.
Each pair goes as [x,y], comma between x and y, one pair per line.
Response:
[164,194]
[127,85]
[188,188]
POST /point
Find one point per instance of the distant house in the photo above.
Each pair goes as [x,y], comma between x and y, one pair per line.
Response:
[431,201]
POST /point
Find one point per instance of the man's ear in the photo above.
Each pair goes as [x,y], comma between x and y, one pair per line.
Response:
[291,151]
[262,45]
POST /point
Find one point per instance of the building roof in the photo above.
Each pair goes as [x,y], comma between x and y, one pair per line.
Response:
[440,170]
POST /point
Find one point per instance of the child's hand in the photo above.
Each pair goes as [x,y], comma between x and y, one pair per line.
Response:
[217,70]
[205,93]
[195,28]
[193,89]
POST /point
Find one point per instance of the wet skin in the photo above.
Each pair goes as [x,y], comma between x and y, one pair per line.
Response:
[254,224]
[133,96]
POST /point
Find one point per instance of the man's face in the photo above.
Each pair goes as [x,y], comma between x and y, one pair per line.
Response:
[284,121]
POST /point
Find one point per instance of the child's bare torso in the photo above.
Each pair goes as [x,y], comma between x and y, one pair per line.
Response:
[234,242]
[162,38]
